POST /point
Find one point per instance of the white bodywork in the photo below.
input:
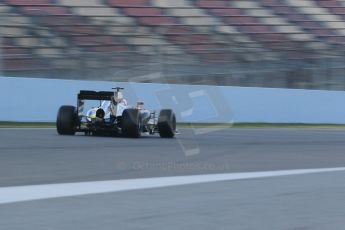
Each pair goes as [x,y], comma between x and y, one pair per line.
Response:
[108,109]
[116,108]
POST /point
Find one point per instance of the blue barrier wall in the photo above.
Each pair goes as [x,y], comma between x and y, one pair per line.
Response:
[24,99]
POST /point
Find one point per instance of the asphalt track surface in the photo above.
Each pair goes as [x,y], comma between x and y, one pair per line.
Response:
[314,201]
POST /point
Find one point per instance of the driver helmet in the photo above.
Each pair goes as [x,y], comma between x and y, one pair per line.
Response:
[140,105]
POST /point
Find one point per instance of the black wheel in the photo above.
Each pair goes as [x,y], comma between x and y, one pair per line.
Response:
[130,123]
[67,120]
[166,123]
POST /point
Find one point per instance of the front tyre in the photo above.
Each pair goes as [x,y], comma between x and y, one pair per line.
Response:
[67,120]
[130,123]
[166,123]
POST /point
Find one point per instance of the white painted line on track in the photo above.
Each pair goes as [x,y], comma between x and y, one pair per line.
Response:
[39,192]
[28,128]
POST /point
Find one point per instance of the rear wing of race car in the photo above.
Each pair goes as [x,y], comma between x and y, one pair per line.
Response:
[93,95]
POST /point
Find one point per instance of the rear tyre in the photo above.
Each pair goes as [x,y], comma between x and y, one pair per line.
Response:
[130,123]
[67,120]
[166,123]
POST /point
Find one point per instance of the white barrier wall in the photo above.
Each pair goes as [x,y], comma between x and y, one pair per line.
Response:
[24,99]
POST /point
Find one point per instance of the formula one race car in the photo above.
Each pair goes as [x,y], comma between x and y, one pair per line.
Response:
[112,116]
